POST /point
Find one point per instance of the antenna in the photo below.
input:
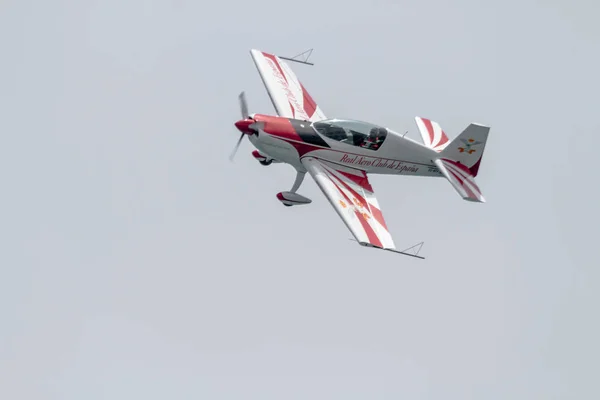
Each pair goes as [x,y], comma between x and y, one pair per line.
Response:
[415,251]
[413,248]
[295,58]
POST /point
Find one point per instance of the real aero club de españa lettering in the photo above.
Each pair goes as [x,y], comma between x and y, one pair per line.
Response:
[377,163]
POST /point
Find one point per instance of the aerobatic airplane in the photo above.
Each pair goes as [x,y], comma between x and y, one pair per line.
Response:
[340,154]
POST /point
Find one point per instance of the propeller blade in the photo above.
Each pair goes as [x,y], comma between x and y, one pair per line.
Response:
[243,105]
[237,146]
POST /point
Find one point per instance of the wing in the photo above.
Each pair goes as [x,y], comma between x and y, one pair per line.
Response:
[289,97]
[351,195]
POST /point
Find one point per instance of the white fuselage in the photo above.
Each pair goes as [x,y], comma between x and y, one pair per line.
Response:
[397,155]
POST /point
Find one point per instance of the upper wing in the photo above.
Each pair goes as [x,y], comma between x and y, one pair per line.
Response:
[289,97]
[351,195]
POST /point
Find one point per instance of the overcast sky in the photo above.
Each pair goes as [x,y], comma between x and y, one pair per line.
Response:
[137,262]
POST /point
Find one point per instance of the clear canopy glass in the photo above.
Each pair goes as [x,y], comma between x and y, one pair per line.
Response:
[356,133]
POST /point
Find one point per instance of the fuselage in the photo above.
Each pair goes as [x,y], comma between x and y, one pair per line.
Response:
[355,144]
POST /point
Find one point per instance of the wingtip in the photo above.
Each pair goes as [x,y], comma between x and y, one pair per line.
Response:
[471,200]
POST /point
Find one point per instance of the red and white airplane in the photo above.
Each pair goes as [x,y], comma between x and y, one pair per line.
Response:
[340,154]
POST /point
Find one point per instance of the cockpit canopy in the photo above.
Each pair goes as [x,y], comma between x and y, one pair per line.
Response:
[356,133]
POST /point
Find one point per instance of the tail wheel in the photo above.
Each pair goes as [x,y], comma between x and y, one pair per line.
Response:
[265,162]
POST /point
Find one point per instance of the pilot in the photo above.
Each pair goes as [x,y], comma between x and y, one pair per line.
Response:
[375,138]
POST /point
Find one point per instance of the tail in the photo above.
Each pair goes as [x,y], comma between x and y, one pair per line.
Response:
[459,159]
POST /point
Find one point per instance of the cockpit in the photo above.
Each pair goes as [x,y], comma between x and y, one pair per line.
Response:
[355,133]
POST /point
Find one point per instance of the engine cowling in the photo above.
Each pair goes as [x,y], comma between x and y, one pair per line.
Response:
[292,199]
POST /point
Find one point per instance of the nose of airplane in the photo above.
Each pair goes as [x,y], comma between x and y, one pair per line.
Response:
[243,125]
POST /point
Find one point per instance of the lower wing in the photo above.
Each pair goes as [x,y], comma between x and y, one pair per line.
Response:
[351,195]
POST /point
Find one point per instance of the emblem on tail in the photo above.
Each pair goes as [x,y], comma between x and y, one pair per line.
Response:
[468,147]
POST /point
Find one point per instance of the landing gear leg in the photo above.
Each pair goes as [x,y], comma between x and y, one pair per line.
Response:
[298,181]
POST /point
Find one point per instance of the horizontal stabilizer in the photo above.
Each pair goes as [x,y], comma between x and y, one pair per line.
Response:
[460,159]
[432,134]
[461,179]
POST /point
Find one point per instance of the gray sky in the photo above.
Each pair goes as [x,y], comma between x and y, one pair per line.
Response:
[137,262]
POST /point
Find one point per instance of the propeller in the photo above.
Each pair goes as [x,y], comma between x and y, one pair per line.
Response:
[244,111]
[243,105]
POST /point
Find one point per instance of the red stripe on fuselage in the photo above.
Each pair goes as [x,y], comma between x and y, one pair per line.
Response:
[282,128]
[278,126]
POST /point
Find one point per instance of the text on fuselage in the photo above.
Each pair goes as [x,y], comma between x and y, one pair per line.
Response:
[377,163]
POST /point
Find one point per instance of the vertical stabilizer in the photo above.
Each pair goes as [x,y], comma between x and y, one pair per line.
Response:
[460,160]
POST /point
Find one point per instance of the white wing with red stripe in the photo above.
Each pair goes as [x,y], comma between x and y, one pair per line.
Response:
[289,96]
[351,195]
[432,134]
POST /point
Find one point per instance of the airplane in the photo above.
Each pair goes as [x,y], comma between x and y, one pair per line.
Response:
[340,154]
